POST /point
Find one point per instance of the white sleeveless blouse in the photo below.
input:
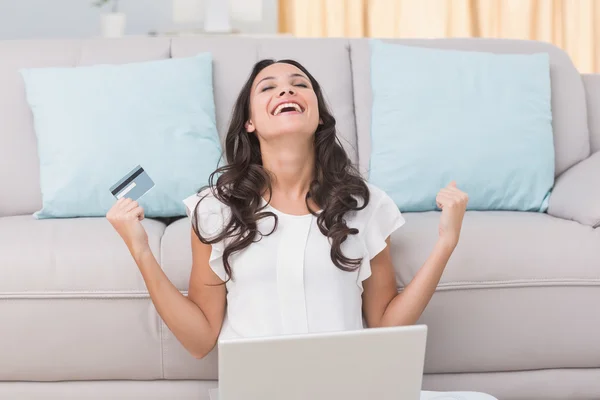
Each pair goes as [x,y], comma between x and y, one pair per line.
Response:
[286,283]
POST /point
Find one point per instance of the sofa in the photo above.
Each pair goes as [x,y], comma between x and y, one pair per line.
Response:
[515,314]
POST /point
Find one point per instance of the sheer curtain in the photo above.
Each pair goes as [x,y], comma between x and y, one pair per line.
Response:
[573,25]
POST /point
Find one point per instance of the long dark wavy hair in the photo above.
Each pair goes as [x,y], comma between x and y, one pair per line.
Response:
[242,181]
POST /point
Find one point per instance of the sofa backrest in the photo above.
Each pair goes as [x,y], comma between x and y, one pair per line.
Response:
[233,61]
[340,65]
[592,89]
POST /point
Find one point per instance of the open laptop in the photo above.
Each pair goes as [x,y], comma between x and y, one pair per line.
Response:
[377,363]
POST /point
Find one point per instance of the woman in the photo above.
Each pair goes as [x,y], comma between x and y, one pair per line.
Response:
[287,237]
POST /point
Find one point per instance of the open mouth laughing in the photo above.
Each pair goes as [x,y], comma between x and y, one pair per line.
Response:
[288,107]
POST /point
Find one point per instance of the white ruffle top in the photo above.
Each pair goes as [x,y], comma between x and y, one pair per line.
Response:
[286,283]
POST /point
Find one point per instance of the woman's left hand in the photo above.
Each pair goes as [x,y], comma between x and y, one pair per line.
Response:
[453,203]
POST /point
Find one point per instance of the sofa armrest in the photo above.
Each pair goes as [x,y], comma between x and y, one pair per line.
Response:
[576,193]
[591,82]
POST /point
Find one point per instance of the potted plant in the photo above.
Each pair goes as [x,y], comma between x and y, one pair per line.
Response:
[112,23]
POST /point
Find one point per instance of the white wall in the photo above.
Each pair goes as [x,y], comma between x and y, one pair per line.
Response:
[30,19]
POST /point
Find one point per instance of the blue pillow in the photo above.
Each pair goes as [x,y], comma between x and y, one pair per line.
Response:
[95,124]
[481,119]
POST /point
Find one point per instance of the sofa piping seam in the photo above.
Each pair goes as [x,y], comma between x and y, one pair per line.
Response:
[457,285]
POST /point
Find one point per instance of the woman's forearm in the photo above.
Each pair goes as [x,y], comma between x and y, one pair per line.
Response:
[407,306]
[181,315]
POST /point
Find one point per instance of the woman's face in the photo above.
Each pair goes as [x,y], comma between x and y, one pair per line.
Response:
[282,102]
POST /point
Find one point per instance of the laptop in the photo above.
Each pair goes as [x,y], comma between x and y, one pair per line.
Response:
[376,363]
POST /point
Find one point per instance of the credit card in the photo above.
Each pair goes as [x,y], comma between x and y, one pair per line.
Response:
[133,185]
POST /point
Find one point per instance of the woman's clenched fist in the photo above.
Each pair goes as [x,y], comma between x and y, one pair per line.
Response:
[453,203]
[125,216]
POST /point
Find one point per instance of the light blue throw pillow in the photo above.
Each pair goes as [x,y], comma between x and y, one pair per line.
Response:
[481,119]
[95,124]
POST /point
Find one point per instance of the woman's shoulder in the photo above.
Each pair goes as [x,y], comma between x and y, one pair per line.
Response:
[205,195]
[204,203]
[377,196]
[380,206]
[378,220]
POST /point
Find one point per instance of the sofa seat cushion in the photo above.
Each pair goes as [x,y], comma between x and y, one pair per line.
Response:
[73,302]
[516,287]
[503,249]
[511,293]
[176,261]
[79,255]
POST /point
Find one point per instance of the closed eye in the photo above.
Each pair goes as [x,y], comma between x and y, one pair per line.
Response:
[264,89]
[304,85]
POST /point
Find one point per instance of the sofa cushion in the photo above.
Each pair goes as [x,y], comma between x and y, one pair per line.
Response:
[499,249]
[74,284]
[79,336]
[110,118]
[176,252]
[487,314]
[480,119]
[571,137]
[75,281]
[234,58]
[78,256]
[516,286]
[176,261]
[18,144]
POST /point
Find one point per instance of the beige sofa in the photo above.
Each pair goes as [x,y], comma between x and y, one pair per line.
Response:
[516,313]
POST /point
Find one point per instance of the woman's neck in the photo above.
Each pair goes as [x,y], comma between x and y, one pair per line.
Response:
[292,169]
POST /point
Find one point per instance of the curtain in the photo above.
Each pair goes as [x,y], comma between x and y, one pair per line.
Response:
[573,25]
